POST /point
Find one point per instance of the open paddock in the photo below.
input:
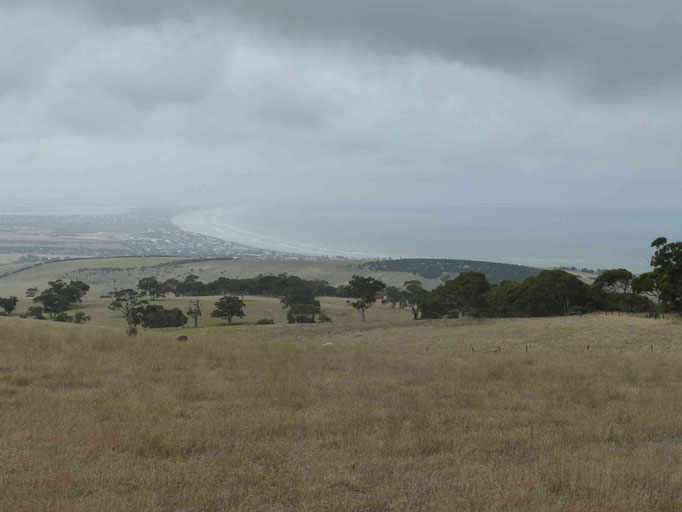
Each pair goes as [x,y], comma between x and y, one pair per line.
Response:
[390,416]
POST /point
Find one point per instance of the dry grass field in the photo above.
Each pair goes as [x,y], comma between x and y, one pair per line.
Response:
[393,415]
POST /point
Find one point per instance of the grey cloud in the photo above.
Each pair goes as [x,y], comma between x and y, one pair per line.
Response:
[31,41]
[604,48]
[399,102]
[291,112]
[152,68]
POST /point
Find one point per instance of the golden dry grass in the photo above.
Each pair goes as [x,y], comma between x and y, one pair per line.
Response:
[395,415]
[256,308]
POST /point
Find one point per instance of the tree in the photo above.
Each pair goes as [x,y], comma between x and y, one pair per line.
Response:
[647,284]
[501,299]
[60,296]
[465,295]
[229,307]
[194,311]
[158,317]
[170,286]
[190,287]
[364,290]
[9,304]
[432,306]
[34,312]
[392,296]
[31,292]
[667,265]
[413,296]
[303,313]
[299,297]
[151,286]
[81,318]
[551,293]
[631,303]
[300,294]
[130,303]
[615,281]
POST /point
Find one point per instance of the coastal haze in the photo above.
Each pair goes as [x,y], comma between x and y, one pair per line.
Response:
[522,133]
[536,237]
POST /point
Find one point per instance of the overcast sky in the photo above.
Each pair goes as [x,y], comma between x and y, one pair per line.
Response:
[402,102]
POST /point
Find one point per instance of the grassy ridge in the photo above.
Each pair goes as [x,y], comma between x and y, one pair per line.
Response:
[392,416]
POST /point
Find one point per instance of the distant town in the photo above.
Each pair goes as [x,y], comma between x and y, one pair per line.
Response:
[34,238]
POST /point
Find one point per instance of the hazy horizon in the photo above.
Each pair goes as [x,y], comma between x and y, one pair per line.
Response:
[391,123]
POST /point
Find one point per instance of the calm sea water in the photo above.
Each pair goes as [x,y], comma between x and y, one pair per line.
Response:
[593,239]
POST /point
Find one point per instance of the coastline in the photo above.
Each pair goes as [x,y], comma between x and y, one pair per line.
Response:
[213,223]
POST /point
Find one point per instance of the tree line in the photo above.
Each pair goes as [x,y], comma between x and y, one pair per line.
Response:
[262,285]
[551,292]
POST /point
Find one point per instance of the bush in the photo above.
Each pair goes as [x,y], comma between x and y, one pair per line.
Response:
[156,317]
[324,318]
[302,313]
[34,312]
[81,318]
[63,318]
[265,321]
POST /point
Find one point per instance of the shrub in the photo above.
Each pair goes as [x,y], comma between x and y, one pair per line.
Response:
[324,318]
[155,317]
[302,313]
[265,321]
[63,317]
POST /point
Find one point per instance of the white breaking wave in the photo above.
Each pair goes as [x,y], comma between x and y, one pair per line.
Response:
[215,223]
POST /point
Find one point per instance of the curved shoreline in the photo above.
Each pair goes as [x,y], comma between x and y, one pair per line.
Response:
[211,223]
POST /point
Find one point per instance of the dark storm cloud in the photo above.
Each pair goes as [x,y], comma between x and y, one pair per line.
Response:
[605,48]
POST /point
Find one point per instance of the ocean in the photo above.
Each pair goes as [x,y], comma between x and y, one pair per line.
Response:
[537,237]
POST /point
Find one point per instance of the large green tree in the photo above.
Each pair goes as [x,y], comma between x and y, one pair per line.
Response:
[413,296]
[615,281]
[393,296]
[60,296]
[130,303]
[465,295]
[364,291]
[550,293]
[152,287]
[667,273]
[229,307]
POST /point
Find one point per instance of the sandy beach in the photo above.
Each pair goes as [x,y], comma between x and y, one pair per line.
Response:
[216,223]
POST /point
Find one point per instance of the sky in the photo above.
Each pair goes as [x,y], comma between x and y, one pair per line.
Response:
[401,103]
